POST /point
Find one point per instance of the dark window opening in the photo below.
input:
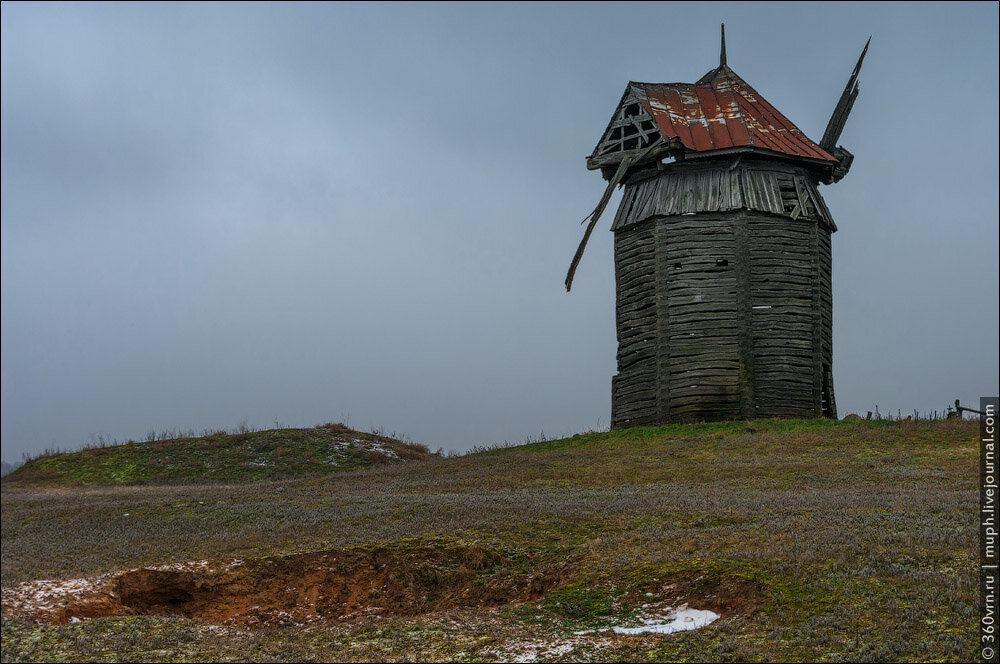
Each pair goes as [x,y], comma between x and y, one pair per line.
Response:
[789,197]
[721,262]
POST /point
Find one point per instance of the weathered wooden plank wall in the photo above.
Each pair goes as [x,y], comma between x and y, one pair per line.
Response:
[698,305]
[826,323]
[782,316]
[634,388]
[724,296]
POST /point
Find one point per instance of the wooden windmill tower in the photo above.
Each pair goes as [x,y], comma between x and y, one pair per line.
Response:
[722,252]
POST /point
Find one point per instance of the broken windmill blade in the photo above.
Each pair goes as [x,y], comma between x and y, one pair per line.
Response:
[594,216]
[843,109]
[652,152]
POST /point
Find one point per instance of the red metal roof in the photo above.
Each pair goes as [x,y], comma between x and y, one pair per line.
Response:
[722,111]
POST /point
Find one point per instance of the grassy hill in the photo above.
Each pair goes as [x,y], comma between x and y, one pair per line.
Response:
[814,540]
[220,458]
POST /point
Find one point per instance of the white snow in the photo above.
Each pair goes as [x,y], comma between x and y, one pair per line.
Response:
[682,619]
[198,566]
[359,443]
[49,594]
[532,651]
[660,619]
[382,449]
[671,620]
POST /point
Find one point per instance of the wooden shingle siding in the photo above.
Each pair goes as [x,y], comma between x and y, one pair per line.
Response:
[724,310]
[749,185]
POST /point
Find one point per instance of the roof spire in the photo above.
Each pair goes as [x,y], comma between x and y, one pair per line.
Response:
[722,56]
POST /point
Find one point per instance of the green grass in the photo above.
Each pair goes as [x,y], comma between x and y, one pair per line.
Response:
[816,540]
[220,458]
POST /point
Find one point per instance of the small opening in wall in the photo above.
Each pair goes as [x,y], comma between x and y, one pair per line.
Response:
[677,266]
[721,262]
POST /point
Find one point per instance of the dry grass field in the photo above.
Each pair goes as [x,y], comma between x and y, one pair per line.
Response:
[813,540]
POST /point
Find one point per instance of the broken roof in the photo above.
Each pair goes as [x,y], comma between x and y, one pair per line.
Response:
[719,112]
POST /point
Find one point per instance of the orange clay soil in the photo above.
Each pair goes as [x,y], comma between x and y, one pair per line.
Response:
[338,585]
[327,585]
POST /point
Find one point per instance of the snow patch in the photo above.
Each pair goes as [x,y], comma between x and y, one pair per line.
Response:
[198,566]
[659,620]
[532,651]
[682,619]
[667,622]
[359,444]
[382,449]
[49,595]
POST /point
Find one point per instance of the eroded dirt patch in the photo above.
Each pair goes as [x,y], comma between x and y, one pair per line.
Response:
[340,585]
[322,586]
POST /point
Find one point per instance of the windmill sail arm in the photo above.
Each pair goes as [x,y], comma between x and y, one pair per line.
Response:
[838,120]
[594,216]
[843,109]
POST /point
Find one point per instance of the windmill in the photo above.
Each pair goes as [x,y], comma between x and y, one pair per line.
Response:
[724,307]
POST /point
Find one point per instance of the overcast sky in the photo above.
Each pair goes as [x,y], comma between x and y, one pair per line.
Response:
[214,213]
